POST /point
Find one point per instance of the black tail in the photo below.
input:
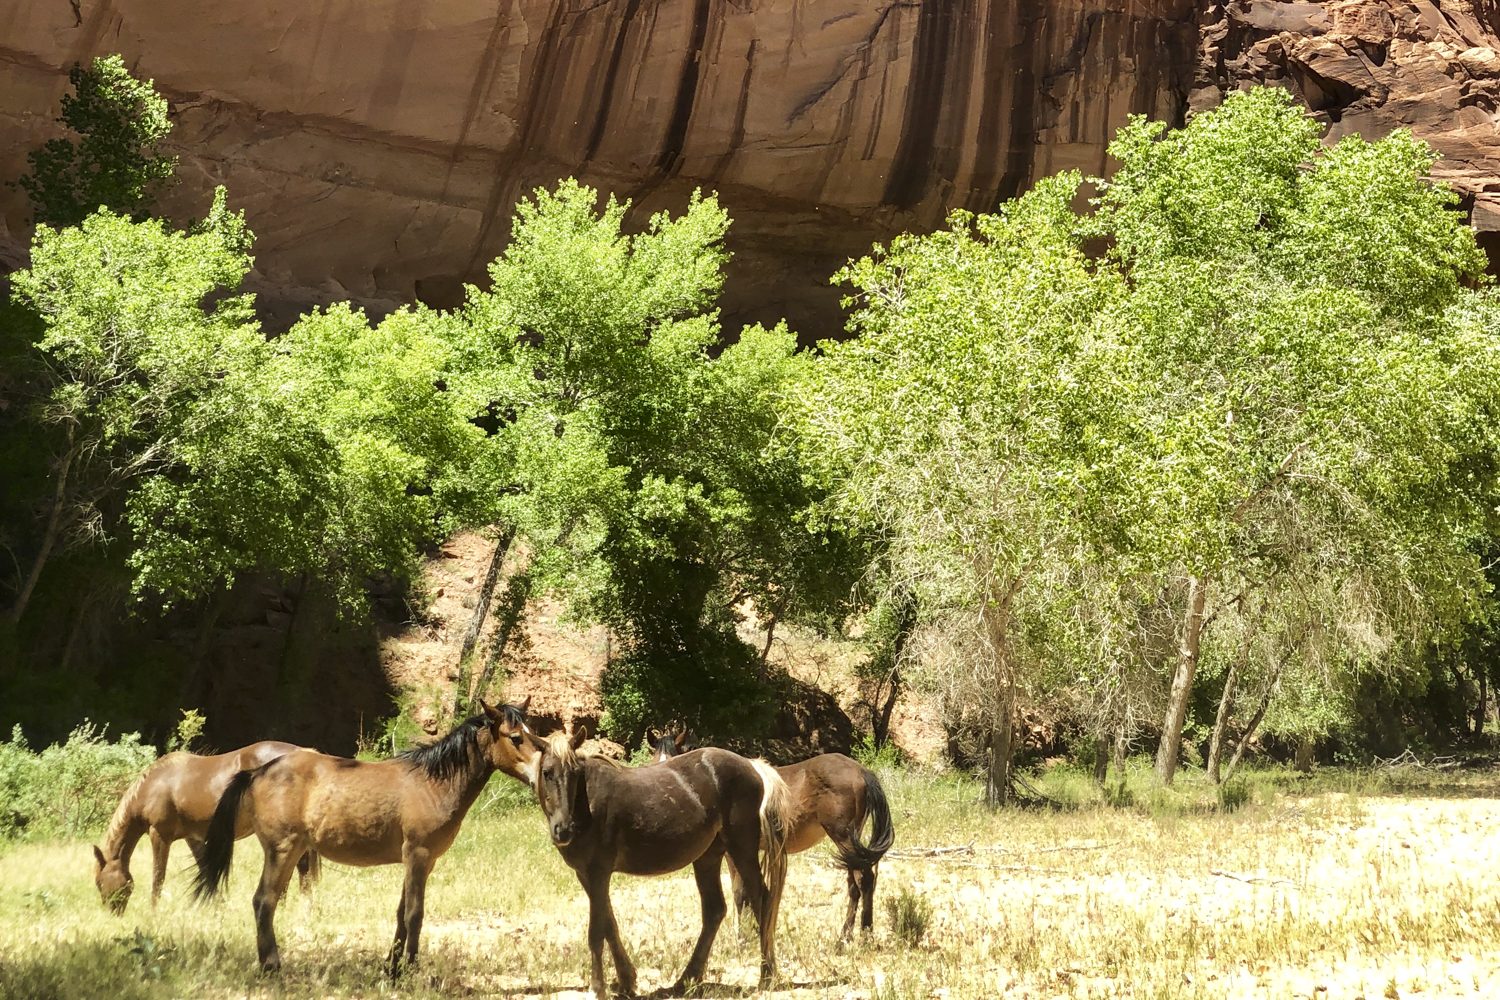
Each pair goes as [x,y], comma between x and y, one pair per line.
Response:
[882,833]
[218,848]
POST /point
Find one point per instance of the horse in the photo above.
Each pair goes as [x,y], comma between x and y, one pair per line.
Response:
[404,810]
[832,795]
[174,800]
[664,745]
[693,809]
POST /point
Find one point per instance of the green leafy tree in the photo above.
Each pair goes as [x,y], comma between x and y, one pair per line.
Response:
[128,350]
[643,473]
[116,161]
[980,424]
[1313,413]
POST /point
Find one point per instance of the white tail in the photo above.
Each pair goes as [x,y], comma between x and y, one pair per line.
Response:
[773,819]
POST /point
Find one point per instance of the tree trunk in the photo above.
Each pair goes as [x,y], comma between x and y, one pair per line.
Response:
[1305,754]
[1182,682]
[997,784]
[1122,744]
[195,685]
[907,621]
[517,593]
[49,536]
[1226,701]
[312,621]
[461,694]
[1239,751]
[1101,760]
[1484,700]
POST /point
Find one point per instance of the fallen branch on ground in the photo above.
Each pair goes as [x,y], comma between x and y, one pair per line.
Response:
[1252,879]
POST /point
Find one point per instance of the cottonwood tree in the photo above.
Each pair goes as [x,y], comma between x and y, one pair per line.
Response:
[128,351]
[644,477]
[1281,292]
[116,162]
[979,424]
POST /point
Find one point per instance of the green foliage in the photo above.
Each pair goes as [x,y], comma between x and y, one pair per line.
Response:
[189,729]
[639,464]
[116,163]
[1234,793]
[910,914]
[885,757]
[68,789]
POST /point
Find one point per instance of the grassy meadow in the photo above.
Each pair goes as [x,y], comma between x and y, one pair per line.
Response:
[1337,886]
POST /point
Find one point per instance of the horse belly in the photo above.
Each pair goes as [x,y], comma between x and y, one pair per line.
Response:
[664,855]
[354,829]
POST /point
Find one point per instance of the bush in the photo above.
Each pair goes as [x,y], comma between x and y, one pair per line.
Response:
[885,757]
[1233,793]
[67,790]
[910,914]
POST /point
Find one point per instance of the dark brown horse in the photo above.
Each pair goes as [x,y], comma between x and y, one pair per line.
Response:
[174,800]
[694,810]
[664,745]
[832,795]
[405,810]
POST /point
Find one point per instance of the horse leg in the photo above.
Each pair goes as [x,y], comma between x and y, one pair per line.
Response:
[393,961]
[602,928]
[307,871]
[160,848]
[706,872]
[196,846]
[867,890]
[854,895]
[281,860]
[413,892]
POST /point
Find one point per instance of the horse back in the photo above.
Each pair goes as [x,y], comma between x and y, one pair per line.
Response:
[658,819]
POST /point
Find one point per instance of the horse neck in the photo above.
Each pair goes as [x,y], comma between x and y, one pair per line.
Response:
[127,825]
[468,784]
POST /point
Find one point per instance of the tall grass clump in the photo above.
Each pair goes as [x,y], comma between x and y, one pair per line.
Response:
[69,789]
[910,914]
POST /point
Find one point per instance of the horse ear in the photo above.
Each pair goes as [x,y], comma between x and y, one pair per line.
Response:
[681,739]
[525,705]
[98,858]
[490,711]
[536,742]
[654,734]
[580,733]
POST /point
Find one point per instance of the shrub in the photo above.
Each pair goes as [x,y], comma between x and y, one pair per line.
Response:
[910,914]
[68,789]
[884,757]
[1233,793]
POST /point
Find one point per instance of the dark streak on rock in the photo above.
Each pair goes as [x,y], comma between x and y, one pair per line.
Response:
[687,90]
[924,104]
[607,91]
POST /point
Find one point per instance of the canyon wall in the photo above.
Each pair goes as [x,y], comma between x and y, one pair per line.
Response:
[378,145]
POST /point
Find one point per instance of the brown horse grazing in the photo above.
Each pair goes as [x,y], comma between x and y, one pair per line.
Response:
[174,800]
[691,810]
[831,795]
[405,810]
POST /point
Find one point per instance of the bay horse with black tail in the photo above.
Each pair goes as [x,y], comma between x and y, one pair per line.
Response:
[831,795]
[174,800]
[695,809]
[406,810]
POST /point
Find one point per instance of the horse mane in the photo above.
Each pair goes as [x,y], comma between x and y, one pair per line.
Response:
[558,746]
[454,753]
[125,813]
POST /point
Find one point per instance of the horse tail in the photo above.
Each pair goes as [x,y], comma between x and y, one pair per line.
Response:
[774,805]
[218,847]
[859,857]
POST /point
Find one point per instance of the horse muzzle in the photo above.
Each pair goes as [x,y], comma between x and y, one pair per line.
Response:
[562,836]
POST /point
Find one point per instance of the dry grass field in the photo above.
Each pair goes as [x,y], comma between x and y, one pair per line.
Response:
[1340,886]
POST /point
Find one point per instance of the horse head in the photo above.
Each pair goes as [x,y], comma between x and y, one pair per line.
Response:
[509,751]
[558,772]
[664,745]
[113,881]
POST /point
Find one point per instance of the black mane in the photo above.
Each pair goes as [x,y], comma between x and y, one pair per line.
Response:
[454,753]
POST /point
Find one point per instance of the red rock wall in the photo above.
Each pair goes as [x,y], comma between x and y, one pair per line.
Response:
[378,145]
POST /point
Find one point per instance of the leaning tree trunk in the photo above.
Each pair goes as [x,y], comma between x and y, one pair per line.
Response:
[513,606]
[907,621]
[49,535]
[461,694]
[1182,682]
[1231,684]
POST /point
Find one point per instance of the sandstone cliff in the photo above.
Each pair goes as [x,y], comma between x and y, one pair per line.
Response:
[378,145]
